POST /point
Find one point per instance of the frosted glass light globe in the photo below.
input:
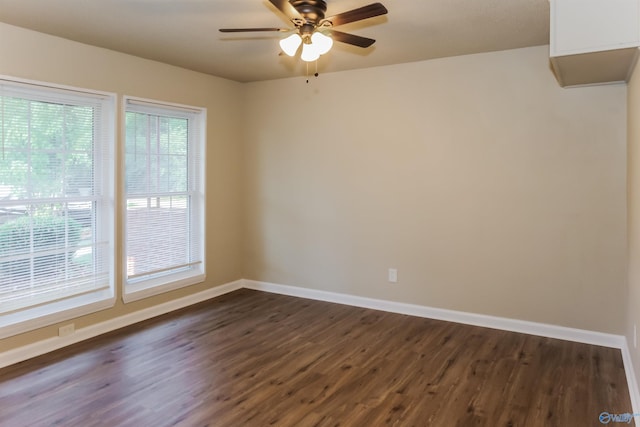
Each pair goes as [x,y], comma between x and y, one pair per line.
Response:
[309,52]
[322,42]
[290,44]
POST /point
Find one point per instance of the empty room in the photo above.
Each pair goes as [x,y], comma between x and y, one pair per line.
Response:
[319,213]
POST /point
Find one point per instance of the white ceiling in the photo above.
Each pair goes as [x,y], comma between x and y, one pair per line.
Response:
[185,32]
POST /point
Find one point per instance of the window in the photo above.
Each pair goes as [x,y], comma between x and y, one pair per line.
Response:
[164,191]
[56,228]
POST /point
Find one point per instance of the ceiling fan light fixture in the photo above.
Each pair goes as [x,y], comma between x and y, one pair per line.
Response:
[310,52]
[313,30]
[322,42]
[289,45]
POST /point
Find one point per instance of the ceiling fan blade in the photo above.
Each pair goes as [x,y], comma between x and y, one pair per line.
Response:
[285,7]
[364,12]
[351,39]
[248,30]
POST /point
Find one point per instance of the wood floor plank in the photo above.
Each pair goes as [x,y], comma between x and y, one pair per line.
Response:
[256,359]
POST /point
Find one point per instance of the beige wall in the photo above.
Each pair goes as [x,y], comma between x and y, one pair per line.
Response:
[30,55]
[491,189]
[633,212]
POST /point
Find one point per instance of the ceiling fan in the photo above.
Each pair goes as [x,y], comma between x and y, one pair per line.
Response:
[312,30]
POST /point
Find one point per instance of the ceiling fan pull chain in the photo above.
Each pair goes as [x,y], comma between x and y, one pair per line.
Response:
[316,73]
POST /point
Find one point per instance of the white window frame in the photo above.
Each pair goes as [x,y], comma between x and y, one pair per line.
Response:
[136,289]
[24,320]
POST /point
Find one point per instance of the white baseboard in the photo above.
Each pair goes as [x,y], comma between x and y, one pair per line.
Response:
[521,326]
[632,381]
[513,325]
[45,346]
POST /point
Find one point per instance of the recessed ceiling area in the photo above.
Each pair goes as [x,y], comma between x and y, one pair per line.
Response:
[185,32]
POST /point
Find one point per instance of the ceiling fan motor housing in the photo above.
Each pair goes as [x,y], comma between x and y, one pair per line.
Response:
[312,10]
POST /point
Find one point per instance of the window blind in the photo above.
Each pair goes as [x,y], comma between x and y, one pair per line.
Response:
[54,218]
[163,221]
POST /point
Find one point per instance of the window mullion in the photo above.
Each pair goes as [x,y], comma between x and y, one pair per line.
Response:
[148,160]
[2,128]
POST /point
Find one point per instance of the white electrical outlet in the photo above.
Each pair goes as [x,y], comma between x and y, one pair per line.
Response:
[393,275]
[65,330]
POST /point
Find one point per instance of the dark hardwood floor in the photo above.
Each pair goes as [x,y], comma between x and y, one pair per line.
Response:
[257,359]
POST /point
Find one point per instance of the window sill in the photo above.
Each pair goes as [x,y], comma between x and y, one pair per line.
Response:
[48,314]
[149,288]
